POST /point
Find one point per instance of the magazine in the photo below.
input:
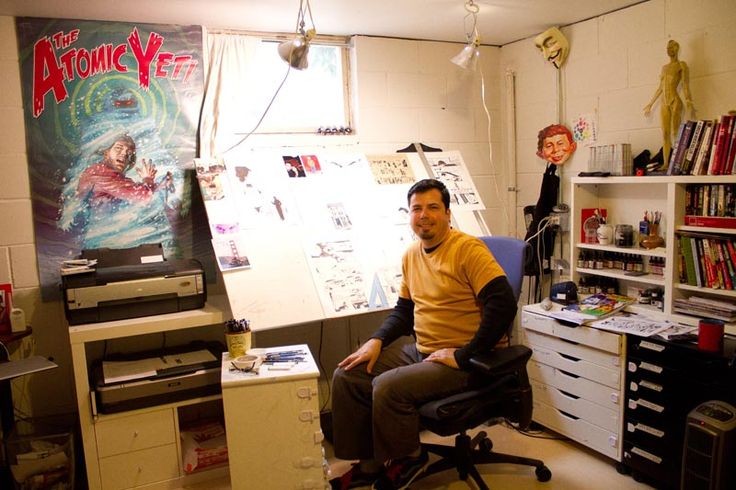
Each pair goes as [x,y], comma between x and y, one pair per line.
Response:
[594,307]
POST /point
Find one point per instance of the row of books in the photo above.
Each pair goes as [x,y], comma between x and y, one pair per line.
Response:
[707,261]
[616,159]
[710,200]
[706,307]
[704,147]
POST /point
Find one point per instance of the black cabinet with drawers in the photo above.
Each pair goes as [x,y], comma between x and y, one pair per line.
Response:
[664,382]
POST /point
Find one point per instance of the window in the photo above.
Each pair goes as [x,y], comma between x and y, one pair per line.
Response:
[309,99]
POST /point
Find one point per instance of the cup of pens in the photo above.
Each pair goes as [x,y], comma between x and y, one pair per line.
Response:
[237,336]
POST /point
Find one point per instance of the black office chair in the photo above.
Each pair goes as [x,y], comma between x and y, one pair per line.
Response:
[507,395]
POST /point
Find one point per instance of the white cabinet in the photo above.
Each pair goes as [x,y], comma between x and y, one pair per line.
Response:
[273,425]
[577,379]
[139,447]
[625,200]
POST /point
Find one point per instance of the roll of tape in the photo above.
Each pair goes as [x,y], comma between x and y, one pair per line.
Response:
[17,320]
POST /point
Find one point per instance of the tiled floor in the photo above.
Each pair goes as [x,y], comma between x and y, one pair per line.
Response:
[573,467]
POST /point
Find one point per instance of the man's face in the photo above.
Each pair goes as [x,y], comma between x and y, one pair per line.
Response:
[429,218]
[554,46]
[557,149]
[119,156]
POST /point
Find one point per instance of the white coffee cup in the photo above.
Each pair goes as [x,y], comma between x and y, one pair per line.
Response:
[605,234]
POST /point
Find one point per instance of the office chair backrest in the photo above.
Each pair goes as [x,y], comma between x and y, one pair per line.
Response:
[509,253]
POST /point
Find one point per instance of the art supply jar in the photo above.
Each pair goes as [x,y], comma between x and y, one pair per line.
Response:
[237,337]
[624,236]
[710,335]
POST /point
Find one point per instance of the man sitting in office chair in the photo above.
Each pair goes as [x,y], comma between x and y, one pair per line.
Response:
[455,301]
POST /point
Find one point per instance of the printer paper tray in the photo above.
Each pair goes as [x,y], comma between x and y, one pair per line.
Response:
[147,393]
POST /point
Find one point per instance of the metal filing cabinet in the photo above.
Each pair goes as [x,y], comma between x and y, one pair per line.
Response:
[664,382]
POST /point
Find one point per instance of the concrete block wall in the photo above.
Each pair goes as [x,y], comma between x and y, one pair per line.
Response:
[408,91]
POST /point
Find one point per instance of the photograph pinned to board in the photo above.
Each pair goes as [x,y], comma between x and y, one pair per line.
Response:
[230,252]
[293,166]
[341,281]
[449,168]
[310,164]
[391,169]
[260,190]
[212,177]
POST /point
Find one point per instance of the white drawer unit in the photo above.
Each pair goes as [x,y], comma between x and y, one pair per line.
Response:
[577,376]
[134,432]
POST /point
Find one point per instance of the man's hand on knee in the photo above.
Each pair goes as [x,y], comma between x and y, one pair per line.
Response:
[368,352]
[443,356]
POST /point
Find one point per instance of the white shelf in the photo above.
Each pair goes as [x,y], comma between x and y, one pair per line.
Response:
[212,313]
[653,279]
[655,252]
[696,289]
[705,229]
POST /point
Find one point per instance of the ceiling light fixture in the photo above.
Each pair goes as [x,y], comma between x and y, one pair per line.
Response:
[295,52]
[468,57]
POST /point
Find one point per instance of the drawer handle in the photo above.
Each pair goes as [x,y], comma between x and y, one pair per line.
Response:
[568,374]
[568,415]
[568,341]
[569,357]
[135,433]
[569,395]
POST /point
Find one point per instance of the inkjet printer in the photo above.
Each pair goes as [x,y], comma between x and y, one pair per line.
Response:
[132,381]
[130,283]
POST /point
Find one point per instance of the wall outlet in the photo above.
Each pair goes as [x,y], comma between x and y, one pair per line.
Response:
[554,219]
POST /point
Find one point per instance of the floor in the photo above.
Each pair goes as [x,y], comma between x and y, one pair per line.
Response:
[573,467]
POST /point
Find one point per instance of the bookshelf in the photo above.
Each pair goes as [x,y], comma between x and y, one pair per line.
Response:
[625,199]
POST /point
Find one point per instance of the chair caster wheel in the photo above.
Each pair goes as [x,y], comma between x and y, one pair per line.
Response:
[543,474]
[622,469]
[486,445]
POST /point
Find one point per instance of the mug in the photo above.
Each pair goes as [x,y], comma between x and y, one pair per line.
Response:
[237,343]
[710,335]
[605,234]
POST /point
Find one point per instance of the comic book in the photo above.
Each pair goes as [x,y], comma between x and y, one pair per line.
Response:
[594,307]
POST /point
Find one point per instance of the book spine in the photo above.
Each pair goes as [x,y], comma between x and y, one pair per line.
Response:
[682,146]
[727,281]
[687,253]
[711,273]
[697,262]
[687,162]
[731,258]
[724,132]
[711,221]
[704,150]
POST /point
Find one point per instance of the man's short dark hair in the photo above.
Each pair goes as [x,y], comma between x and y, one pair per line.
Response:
[425,185]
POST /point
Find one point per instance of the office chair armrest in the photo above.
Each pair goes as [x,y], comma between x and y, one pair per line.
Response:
[502,360]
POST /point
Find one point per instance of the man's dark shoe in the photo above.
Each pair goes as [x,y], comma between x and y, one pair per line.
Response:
[354,478]
[402,472]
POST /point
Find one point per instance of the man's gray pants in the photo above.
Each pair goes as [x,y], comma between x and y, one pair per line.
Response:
[375,415]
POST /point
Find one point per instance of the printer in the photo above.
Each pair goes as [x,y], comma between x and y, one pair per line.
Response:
[131,381]
[130,283]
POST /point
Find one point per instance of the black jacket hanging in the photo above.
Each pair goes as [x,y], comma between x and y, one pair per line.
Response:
[543,243]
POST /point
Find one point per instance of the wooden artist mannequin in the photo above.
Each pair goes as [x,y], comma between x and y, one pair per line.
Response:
[672,74]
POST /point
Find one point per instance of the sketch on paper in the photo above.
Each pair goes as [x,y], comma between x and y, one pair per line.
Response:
[339,216]
[449,167]
[260,192]
[230,253]
[638,325]
[338,275]
[222,217]
[391,169]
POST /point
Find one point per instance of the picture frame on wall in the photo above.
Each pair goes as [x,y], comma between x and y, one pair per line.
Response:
[6,293]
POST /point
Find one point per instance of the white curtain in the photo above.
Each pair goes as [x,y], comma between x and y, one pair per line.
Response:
[228,58]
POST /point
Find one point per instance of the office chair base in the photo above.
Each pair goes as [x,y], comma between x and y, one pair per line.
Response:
[464,457]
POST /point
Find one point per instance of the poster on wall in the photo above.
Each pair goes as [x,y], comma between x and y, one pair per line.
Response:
[111,112]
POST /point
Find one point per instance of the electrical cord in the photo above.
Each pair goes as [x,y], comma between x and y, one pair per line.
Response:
[321,368]
[532,434]
[268,107]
